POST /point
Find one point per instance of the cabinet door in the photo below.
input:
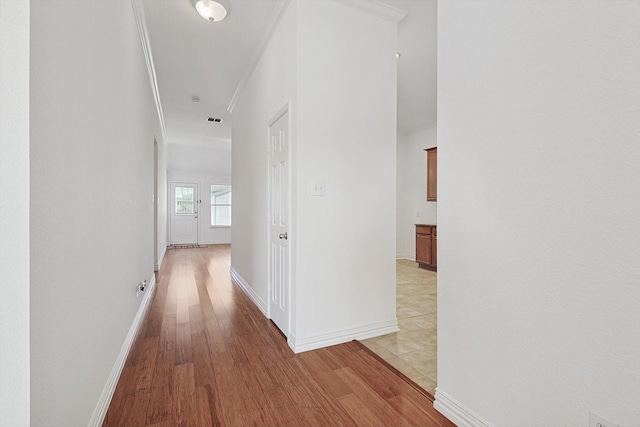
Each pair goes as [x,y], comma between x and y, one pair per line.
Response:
[432,174]
[423,249]
[434,250]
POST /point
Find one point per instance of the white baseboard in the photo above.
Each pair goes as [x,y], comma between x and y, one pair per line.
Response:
[216,242]
[107,393]
[456,412]
[248,290]
[345,335]
[409,257]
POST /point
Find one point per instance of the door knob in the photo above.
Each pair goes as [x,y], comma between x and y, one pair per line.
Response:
[283,236]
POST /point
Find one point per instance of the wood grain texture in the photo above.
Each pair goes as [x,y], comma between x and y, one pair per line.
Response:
[432,174]
[427,246]
[206,356]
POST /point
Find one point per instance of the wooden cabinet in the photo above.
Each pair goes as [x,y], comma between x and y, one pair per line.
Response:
[432,174]
[427,246]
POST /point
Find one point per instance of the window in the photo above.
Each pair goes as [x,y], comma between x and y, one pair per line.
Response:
[220,205]
[184,200]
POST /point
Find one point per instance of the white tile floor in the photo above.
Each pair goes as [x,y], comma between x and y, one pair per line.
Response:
[413,349]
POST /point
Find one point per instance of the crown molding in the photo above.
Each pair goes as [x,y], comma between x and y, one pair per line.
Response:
[138,12]
[373,7]
[269,29]
[377,8]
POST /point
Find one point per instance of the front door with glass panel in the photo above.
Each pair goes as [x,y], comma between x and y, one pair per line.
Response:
[184,213]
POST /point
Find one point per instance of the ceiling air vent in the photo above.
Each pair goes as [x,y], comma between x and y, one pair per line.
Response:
[214,119]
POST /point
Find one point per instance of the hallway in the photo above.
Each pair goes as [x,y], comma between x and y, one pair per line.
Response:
[206,356]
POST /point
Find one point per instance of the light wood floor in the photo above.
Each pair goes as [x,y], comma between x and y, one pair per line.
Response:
[206,356]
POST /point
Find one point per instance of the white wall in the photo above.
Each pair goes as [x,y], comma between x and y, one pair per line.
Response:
[340,81]
[345,266]
[206,233]
[413,207]
[14,214]
[201,159]
[271,87]
[93,122]
[539,200]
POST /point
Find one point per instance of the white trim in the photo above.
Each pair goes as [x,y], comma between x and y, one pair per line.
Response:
[161,258]
[284,110]
[345,335]
[456,412]
[138,12]
[291,340]
[216,242]
[376,8]
[269,29]
[407,257]
[238,280]
[100,411]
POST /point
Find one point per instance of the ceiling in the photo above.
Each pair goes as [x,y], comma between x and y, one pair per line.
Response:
[417,66]
[193,57]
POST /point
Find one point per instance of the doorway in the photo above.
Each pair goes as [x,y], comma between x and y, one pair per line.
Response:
[156,200]
[279,221]
[183,207]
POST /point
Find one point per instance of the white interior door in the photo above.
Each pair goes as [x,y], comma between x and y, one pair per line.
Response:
[279,222]
[184,213]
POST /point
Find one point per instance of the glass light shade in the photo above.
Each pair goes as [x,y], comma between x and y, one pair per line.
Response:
[211,10]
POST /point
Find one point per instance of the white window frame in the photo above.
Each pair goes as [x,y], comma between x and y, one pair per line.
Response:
[213,205]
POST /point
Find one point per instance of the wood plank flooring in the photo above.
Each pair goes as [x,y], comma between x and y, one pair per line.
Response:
[206,356]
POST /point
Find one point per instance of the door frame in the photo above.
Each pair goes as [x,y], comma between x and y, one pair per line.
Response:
[170,207]
[291,233]
[156,202]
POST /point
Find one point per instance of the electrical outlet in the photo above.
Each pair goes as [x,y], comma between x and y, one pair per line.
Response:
[596,420]
[140,287]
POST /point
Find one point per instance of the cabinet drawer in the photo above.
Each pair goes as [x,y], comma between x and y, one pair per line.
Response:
[423,230]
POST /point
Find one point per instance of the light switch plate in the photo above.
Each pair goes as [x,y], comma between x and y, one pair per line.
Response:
[319,188]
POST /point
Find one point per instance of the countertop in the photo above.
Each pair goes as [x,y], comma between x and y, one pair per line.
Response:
[426,225]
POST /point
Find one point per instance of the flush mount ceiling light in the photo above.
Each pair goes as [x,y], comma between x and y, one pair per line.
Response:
[210,10]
